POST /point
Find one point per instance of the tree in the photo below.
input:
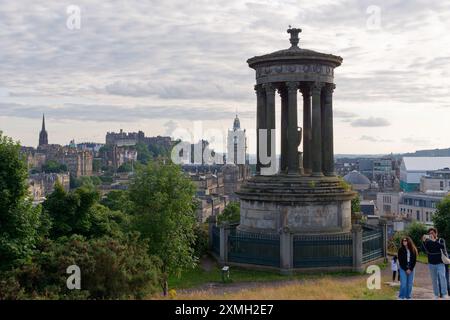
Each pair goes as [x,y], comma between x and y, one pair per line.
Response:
[415,231]
[96,165]
[79,212]
[52,166]
[117,200]
[20,223]
[356,205]
[163,206]
[231,213]
[441,218]
[111,268]
[143,153]
[125,167]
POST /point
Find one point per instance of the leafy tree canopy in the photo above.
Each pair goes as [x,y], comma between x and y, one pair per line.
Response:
[79,212]
[21,224]
[163,206]
[441,218]
[231,213]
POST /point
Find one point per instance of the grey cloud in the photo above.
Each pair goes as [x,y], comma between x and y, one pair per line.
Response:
[170,126]
[373,139]
[416,141]
[344,114]
[111,113]
[370,122]
[181,90]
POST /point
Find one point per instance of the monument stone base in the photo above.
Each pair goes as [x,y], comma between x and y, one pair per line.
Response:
[302,204]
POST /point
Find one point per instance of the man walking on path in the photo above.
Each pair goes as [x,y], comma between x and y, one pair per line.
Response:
[434,247]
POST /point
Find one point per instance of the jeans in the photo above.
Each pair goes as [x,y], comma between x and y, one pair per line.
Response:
[406,284]
[437,272]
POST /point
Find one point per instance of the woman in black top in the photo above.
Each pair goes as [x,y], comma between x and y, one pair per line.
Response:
[407,255]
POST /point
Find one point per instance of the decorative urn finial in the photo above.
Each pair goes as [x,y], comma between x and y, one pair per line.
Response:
[294,36]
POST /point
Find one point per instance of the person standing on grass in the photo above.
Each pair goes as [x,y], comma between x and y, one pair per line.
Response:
[394,268]
[434,247]
[407,255]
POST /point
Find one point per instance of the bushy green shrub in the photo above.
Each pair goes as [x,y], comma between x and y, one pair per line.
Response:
[441,218]
[415,231]
[201,240]
[110,269]
[231,213]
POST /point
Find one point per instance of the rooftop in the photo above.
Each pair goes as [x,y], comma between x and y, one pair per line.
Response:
[355,177]
[295,53]
[426,163]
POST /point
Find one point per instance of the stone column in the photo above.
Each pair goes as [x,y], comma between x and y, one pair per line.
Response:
[270,117]
[211,224]
[307,135]
[383,226]
[286,251]
[327,130]
[293,139]
[284,129]
[224,232]
[357,248]
[260,120]
[316,145]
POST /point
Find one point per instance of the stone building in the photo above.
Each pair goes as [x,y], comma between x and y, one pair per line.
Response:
[234,176]
[209,193]
[78,162]
[413,168]
[237,144]
[122,138]
[388,204]
[420,206]
[42,184]
[438,180]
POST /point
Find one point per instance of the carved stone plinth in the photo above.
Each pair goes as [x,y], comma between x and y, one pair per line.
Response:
[303,204]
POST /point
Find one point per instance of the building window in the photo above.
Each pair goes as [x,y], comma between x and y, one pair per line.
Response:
[418,215]
[441,185]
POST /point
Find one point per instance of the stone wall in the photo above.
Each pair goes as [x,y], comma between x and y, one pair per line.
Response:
[303,218]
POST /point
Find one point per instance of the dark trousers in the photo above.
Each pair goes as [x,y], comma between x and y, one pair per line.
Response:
[394,273]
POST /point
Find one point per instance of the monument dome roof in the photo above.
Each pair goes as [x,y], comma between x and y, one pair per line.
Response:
[355,177]
[296,53]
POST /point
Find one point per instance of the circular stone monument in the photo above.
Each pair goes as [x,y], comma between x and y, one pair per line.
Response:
[302,193]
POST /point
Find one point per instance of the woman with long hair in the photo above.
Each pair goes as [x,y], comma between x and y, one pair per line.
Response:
[407,255]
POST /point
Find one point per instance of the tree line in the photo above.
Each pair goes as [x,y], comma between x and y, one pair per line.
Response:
[126,244]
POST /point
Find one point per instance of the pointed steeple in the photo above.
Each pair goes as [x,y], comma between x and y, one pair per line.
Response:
[43,122]
[43,136]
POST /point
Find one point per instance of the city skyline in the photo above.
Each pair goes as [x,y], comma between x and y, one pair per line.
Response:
[155,67]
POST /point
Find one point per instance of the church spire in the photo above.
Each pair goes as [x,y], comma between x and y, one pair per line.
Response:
[43,122]
[43,136]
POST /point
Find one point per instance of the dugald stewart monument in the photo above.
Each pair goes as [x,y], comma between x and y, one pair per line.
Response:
[297,214]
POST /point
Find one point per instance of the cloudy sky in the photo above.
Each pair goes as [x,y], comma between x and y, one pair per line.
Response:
[161,65]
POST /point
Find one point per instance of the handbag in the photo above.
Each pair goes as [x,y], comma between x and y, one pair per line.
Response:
[444,258]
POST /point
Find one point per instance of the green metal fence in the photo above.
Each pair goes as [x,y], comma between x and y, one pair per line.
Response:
[254,248]
[312,251]
[216,240]
[372,243]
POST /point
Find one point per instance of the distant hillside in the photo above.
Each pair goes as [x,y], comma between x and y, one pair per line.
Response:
[418,153]
[429,153]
